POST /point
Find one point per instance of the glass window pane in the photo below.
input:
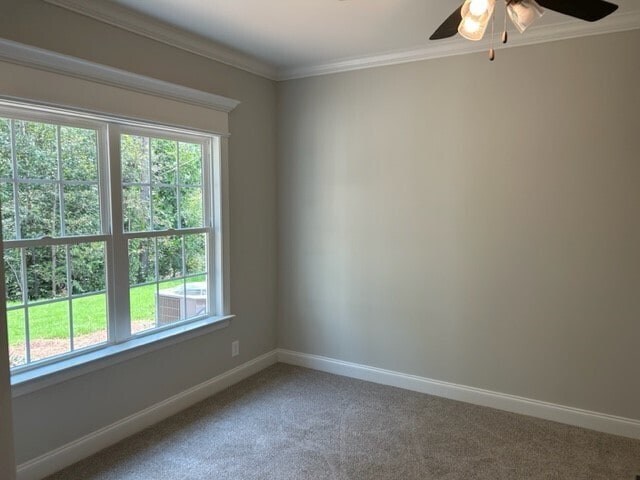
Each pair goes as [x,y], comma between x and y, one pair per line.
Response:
[39,210]
[169,257]
[79,153]
[5,149]
[165,208]
[87,268]
[137,208]
[89,321]
[170,302]
[191,214]
[195,297]
[46,272]
[142,261]
[195,252]
[190,163]
[16,331]
[8,211]
[13,277]
[81,209]
[142,302]
[164,161]
[134,152]
[36,150]
[49,330]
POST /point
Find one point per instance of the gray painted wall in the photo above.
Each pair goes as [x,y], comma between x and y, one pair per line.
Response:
[469,221]
[59,414]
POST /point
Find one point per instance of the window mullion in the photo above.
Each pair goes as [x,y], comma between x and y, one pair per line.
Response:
[16,198]
[119,316]
[63,229]
[69,296]
[25,301]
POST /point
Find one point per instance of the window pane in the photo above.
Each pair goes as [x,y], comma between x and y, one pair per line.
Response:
[8,211]
[134,152]
[169,257]
[46,272]
[13,276]
[164,161]
[142,261]
[191,215]
[137,209]
[49,330]
[190,163]
[5,149]
[87,268]
[36,150]
[39,210]
[177,301]
[89,321]
[195,297]
[79,153]
[81,209]
[143,308]
[195,254]
[170,302]
[165,208]
[16,331]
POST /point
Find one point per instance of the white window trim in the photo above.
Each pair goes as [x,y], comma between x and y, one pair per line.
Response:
[90,360]
[56,370]
[72,67]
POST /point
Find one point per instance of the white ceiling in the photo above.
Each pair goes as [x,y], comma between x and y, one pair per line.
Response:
[293,38]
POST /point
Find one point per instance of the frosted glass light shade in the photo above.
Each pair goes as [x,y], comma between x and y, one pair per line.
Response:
[475,18]
[524,13]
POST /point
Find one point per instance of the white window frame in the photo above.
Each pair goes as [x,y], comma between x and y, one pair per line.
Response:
[120,287]
[121,344]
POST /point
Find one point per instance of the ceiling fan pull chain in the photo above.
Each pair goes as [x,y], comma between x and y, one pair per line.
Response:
[492,52]
[505,36]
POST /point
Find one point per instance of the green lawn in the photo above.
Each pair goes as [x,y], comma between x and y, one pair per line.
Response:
[89,314]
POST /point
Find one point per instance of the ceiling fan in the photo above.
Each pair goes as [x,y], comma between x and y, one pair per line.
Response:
[471,19]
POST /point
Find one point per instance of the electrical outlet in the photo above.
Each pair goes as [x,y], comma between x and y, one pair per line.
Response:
[235,348]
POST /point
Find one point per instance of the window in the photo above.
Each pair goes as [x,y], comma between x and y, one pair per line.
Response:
[109,232]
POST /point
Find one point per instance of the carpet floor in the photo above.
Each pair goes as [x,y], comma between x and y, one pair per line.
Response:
[293,423]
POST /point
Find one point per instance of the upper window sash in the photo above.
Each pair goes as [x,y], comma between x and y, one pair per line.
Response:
[59,121]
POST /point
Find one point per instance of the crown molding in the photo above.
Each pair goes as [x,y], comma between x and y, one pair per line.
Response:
[459,46]
[139,24]
[28,56]
[121,17]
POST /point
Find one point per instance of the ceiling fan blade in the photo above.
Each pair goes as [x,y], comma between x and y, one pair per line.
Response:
[449,27]
[589,10]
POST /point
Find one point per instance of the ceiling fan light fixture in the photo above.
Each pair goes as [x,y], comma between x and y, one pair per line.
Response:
[475,18]
[478,7]
[523,13]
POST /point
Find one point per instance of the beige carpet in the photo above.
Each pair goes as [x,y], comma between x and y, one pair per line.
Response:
[293,423]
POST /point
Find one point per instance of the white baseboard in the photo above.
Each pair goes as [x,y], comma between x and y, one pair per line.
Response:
[81,448]
[601,422]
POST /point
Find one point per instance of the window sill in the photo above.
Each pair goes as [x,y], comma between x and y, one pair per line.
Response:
[35,379]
